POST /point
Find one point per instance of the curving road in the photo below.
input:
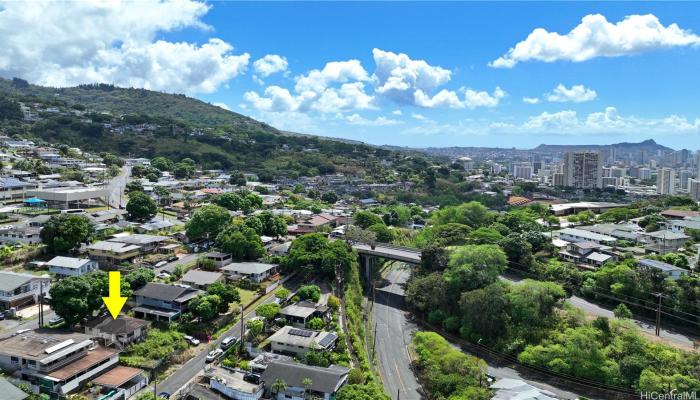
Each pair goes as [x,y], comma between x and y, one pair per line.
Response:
[393,335]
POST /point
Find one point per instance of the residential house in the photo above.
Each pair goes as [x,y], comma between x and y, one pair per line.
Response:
[55,362]
[113,253]
[671,271]
[121,382]
[19,290]
[231,383]
[71,266]
[146,243]
[120,332]
[587,254]
[253,271]
[680,225]
[300,313]
[580,235]
[13,188]
[663,241]
[628,232]
[161,302]
[220,259]
[304,380]
[201,279]
[280,249]
[297,342]
[21,234]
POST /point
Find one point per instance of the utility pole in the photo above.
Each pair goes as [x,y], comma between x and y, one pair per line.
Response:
[240,342]
[658,314]
[374,342]
[41,304]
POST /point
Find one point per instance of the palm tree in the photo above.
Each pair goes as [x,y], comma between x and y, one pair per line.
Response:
[279,385]
[307,384]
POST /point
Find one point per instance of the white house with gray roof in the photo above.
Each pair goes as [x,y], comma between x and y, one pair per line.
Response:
[71,266]
[19,290]
[253,271]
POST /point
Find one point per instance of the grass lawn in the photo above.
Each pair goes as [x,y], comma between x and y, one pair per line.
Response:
[246,296]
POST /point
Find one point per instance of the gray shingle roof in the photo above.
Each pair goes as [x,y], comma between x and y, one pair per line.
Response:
[325,380]
[10,391]
[10,281]
[161,291]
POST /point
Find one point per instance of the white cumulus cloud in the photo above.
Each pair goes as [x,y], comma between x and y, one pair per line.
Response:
[399,77]
[66,43]
[334,72]
[270,64]
[595,37]
[356,119]
[575,94]
[531,100]
[471,98]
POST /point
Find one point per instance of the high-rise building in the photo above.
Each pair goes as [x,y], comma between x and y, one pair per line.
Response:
[558,179]
[666,181]
[694,189]
[684,176]
[645,174]
[583,170]
[522,170]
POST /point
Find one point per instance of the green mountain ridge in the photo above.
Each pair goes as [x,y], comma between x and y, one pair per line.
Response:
[181,127]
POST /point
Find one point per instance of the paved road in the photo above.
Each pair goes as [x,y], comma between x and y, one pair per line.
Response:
[393,336]
[170,267]
[190,369]
[11,326]
[116,185]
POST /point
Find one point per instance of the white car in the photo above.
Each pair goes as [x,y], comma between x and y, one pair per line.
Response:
[214,354]
[56,320]
[193,341]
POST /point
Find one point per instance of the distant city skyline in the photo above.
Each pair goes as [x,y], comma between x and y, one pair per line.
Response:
[406,74]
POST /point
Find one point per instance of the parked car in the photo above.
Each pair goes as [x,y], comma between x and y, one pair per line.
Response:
[213,355]
[228,342]
[252,378]
[2,316]
[164,395]
[56,320]
[173,258]
[160,264]
[192,340]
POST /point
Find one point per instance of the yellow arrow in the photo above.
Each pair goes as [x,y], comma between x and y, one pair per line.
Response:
[114,302]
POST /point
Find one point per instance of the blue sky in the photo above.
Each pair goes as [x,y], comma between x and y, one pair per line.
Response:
[412,74]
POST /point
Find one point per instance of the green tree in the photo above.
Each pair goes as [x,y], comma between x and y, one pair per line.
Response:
[227,294]
[382,232]
[315,255]
[278,386]
[309,292]
[162,164]
[472,267]
[141,206]
[207,221]
[361,392]
[316,324]
[65,232]
[622,312]
[365,219]
[242,242]
[205,307]
[138,278]
[133,186]
[255,327]
[268,311]
[10,110]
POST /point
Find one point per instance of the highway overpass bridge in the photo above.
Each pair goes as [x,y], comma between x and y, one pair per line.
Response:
[368,254]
